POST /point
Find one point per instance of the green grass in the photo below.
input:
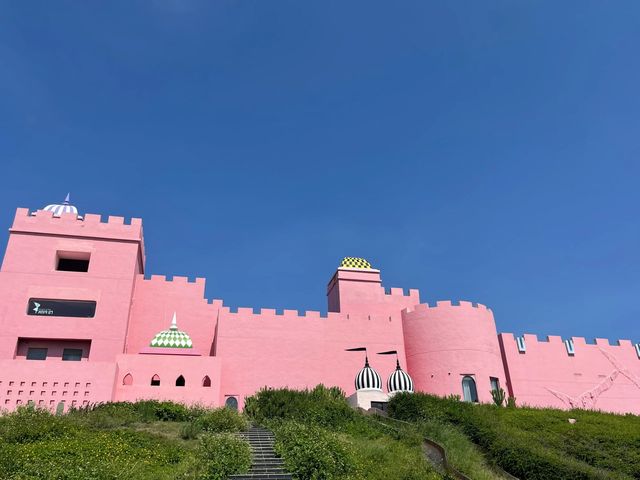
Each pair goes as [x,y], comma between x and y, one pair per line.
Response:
[320,437]
[121,441]
[526,442]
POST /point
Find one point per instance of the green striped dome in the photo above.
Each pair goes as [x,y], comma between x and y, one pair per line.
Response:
[172,338]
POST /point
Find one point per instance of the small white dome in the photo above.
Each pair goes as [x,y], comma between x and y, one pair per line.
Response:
[368,378]
[399,381]
[59,209]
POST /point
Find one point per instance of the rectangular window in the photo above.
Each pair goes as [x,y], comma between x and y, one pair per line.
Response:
[37,354]
[73,261]
[61,308]
[495,384]
[72,354]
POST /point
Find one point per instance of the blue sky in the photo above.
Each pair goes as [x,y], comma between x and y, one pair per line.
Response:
[486,151]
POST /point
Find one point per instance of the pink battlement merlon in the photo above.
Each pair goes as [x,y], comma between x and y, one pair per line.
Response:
[81,323]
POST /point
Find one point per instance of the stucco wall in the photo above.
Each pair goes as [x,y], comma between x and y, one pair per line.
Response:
[599,376]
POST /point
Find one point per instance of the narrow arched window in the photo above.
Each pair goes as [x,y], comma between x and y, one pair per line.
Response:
[469,391]
[128,379]
[155,381]
[180,381]
[232,403]
[206,381]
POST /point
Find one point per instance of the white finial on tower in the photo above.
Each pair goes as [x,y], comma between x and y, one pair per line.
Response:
[67,199]
[174,323]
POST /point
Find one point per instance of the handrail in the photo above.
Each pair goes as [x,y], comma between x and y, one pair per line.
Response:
[450,469]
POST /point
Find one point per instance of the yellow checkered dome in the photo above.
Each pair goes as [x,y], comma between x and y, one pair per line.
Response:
[354,262]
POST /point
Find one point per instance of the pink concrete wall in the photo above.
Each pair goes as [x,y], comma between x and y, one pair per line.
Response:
[169,367]
[300,351]
[446,342]
[154,302]
[600,376]
[48,383]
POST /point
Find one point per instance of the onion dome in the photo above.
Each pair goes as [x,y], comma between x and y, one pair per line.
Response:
[172,338]
[368,378]
[59,209]
[399,381]
[355,262]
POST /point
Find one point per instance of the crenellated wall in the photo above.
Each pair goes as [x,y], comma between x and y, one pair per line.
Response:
[300,351]
[445,342]
[597,376]
[156,299]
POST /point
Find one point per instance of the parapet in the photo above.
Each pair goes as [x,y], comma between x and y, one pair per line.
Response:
[259,314]
[191,287]
[445,304]
[578,343]
[73,225]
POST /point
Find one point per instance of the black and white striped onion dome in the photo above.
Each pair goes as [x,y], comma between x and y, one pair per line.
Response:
[59,209]
[368,378]
[399,381]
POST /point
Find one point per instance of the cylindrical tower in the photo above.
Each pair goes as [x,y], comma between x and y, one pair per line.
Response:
[453,349]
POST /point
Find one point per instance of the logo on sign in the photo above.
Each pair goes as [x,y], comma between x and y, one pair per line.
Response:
[42,311]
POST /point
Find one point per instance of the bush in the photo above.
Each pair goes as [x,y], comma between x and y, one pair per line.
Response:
[311,452]
[30,424]
[321,405]
[220,455]
[537,443]
[221,420]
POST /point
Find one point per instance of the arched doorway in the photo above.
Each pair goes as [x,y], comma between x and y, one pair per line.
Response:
[232,403]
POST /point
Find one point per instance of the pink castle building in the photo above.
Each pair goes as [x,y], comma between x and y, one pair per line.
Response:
[80,323]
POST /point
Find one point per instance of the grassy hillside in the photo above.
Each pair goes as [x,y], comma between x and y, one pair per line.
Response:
[320,437]
[145,440]
[531,443]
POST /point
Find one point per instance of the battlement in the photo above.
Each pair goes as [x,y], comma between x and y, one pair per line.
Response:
[73,225]
[533,339]
[193,286]
[400,292]
[269,313]
[462,304]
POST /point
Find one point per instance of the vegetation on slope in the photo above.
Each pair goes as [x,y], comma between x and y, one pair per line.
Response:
[144,440]
[535,443]
[320,437]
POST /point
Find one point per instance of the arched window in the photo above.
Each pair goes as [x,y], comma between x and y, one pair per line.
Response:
[180,381]
[469,391]
[155,381]
[127,380]
[206,381]
[232,403]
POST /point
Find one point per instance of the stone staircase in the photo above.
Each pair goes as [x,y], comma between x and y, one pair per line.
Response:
[266,465]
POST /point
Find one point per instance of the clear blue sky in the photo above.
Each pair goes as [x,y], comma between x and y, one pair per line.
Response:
[486,151]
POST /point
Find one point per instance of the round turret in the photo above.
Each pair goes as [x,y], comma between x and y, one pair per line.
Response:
[60,208]
[399,381]
[368,378]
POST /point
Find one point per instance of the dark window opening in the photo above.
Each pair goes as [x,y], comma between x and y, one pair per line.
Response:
[72,354]
[37,354]
[155,381]
[495,384]
[232,403]
[180,381]
[379,405]
[73,265]
[206,381]
[469,391]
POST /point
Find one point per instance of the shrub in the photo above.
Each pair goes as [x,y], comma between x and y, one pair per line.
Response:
[221,420]
[220,455]
[29,424]
[498,396]
[311,452]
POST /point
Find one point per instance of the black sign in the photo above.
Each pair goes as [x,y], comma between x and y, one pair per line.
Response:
[61,308]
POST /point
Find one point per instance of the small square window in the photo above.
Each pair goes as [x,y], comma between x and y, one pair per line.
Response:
[495,384]
[37,354]
[73,262]
[72,354]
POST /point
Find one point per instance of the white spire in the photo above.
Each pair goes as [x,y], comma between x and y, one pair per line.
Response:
[174,323]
